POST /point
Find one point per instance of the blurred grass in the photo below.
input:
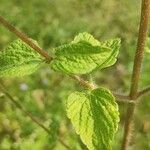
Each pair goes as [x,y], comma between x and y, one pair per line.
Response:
[52,23]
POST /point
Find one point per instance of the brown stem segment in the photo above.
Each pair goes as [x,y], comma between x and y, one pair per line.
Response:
[140,47]
[24,38]
[84,83]
[49,58]
[143,92]
[134,94]
[136,71]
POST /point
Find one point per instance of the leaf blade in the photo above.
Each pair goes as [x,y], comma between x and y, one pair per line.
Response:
[84,55]
[18,59]
[94,116]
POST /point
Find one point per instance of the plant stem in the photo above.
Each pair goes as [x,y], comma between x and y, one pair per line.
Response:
[64,144]
[140,48]
[143,92]
[84,83]
[145,8]
[27,40]
[35,120]
[26,112]
[24,38]
[121,96]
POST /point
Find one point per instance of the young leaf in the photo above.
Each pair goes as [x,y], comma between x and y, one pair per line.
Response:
[95,117]
[18,59]
[114,44]
[86,37]
[85,54]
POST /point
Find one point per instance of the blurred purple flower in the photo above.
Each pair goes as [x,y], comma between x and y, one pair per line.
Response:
[23,87]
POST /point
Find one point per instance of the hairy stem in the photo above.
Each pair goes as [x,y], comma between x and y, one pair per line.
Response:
[136,71]
[84,83]
[24,38]
[140,48]
[49,58]
[35,120]
[121,96]
[143,92]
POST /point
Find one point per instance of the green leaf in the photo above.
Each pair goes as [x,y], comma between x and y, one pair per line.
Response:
[94,115]
[147,46]
[85,54]
[114,44]
[18,59]
[86,37]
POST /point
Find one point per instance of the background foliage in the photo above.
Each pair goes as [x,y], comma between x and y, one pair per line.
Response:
[52,23]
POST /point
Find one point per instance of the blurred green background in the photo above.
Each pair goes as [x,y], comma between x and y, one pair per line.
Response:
[52,23]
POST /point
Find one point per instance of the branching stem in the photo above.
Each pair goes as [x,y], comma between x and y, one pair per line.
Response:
[145,10]
[134,94]
[24,38]
[143,92]
[27,40]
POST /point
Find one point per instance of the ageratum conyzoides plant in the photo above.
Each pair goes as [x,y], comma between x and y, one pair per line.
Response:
[93,111]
